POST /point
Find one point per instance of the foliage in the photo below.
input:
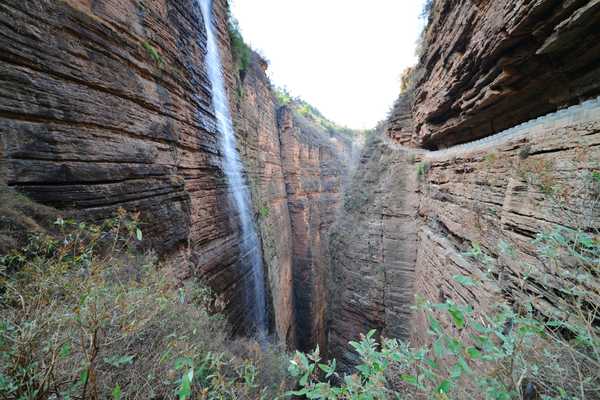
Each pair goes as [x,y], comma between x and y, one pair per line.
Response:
[422,169]
[240,51]
[153,53]
[311,113]
[87,314]
[264,211]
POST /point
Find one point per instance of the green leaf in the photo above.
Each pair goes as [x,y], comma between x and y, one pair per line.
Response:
[444,387]
[185,390]
[434,325]
[438,348]
[184,362]
[138,234]
[457,316]
[65,351]
[83,377]
[410,379]
[454,346]
[473,353]
[464,280]
[116,393]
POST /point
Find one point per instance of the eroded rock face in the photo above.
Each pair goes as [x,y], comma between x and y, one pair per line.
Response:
[499,198]
[490,65]
[373,250]
[106,104]
[314,169]
[255,113]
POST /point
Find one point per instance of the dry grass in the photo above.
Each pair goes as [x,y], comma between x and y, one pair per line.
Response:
[85,314]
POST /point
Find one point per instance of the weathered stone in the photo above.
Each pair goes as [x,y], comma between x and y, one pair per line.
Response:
[487,66]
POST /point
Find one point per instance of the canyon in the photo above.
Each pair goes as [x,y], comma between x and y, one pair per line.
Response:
[108,104]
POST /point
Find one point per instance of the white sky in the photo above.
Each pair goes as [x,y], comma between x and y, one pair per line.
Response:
[343,56]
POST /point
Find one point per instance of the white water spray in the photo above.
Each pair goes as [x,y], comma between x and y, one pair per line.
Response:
[250,249]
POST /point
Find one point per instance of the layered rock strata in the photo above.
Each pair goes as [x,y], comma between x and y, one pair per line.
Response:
[489,65]
[374,249]
[107,105]
[315,165]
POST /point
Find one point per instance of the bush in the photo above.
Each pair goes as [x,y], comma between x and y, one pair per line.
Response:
[87,314]
[240,51]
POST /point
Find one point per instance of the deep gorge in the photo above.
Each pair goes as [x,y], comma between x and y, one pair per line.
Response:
[107,104]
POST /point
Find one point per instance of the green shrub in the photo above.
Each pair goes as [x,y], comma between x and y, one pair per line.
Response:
[87,314]
[240,51]
[153,53]
[264,211]
[422,169]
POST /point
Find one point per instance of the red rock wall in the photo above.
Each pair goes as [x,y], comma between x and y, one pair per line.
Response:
[106,104]
[490,65]
[501,194]
[255,112]
[314,169]
[92,121]
[486,66]
[374,250]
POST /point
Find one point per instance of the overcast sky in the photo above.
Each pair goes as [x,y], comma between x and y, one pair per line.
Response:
[343,56]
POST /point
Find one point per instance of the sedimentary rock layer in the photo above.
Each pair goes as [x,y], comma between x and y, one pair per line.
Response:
[314,166]
[489,65]
[106,104]
[374,249]
[498,198]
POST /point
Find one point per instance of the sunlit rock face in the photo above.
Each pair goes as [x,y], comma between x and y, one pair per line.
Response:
[489,65]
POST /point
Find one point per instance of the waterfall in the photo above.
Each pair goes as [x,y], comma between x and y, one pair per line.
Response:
[240,196]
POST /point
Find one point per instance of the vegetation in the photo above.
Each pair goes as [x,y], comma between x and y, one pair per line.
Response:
[240,51]
[264,211]
[86,314]
[153,53]
[311,113]
[422,169]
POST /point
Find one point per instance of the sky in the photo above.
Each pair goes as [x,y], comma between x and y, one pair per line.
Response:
[343,56]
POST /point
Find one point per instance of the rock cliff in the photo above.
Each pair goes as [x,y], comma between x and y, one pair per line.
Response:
[314,166]
[486,65]
[412,214]
[106,104]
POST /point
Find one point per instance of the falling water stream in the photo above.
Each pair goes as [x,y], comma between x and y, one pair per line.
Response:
[232,166]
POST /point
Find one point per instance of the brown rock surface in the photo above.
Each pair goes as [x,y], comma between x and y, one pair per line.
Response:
[486,66]
[500,194]
[314,169]
[106,104]
[374,249]
[255,114]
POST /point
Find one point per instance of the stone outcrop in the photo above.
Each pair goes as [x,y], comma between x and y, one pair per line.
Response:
[314,165]
[489,65]
[374,249]
[106,104]
[498,198]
